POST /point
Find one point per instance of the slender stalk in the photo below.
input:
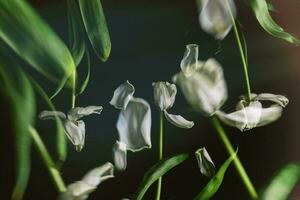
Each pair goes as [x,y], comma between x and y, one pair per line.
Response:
[73,89]
[54,173]
[242,53]
[160,154]
[237,163]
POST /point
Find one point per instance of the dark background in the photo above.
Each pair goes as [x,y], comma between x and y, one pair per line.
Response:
[148,41]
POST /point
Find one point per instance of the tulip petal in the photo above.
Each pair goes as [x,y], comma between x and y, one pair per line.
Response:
[122,95]
[215,18]
[99,174]
[134,125]
[279,99]
[76,133]
[205,90]
[189,61]
[79,112]
[245,118]
[164,94]
[205,163]
[178,120]
[51,115]
[120,156]
[78,190]
[269,115]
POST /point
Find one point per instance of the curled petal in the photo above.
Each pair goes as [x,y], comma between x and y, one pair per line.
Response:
[269,115]
[178,120]
[205,163]
[205,90]
[215,17]
[99,174]
[164,94]
[279,99]
[79,112]
[51,115]
[76,133]
[245,118]
[78,190]
[122,95]
[134,125]
[120,156]
[189,61]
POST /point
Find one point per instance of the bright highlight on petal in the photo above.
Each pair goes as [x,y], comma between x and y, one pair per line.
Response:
[76,133]
[189,61]
[178,120]
[120,156]
[51,115]
[79,112]
[205,163]
[122,95]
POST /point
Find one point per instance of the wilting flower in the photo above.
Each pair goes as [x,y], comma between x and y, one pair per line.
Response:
[80,190]
[253,114]
[73,126]
[133,125]
[205,87]
[215,17]
[164,97]
[205,163]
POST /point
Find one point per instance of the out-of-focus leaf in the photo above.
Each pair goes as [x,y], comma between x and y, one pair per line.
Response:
[87,78]
[16,88]
[61,141]
[96,27]
[282,184]
[76,31]
[158,170]
[261,11]
[213,185]
[33,40]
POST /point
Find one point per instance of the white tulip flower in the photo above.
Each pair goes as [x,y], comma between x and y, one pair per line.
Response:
[205,163]
[73,126]
[164,97]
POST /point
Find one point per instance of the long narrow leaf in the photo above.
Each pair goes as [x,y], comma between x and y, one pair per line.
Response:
[261,11]
[282,183]
[34,41]
[87,78]
[213,185]
[158,170]
[96,27]
[76,31]
[16,88]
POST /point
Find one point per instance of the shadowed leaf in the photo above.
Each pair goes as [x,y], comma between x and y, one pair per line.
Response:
[87,78]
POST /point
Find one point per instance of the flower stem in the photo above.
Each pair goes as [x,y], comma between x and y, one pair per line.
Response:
[160,154]
[54,173]
[73,88]
[237,163]
[242,53]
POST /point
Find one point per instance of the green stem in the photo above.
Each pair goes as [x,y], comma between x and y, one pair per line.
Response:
[54,173]
[237,163]
[243,57]
[73,88]
[160,154]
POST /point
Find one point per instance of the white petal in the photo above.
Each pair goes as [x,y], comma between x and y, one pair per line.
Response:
[215,17]
[76,133]
[120,156]
[79,112]
[134,125]
[244,118]
[205,163]
[205,90]
[51,115]
[122,95]
[269,115]
[78,190]
[164,94]
[178,121]
[99,174]
[279,99]
[189,61]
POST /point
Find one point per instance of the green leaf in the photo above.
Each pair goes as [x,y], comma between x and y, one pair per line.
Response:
[282,183]
[157,171]
[87,78]
[61,141]
[16,88]
[76,31]
[261,11]
[34,41]
[95,26]
[213,185]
